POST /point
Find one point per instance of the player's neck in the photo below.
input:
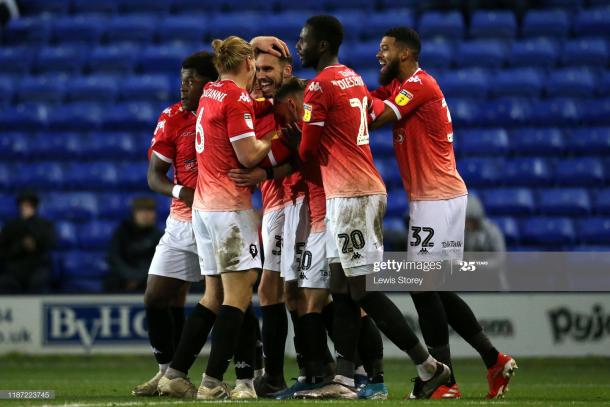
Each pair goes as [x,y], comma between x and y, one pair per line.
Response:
[407,71]
[327,60]
[240,80]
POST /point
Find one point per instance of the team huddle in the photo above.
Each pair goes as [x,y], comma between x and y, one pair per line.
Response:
[244,122]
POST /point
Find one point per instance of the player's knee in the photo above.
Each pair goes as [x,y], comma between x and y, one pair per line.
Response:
[270,289]
[155,299]
[292,295]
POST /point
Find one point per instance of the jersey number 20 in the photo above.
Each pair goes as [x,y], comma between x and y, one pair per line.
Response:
[363,129]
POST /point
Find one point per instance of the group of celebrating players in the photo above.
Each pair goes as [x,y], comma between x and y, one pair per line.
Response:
[245,121]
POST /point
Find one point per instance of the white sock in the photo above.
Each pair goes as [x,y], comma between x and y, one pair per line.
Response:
[163,367]
[347,381]
[360,371]
[247,382]
[426,370]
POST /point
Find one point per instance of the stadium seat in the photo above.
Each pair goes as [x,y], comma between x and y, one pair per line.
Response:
[147,88]
[601,202]
[118,59]
[593,22]
[6,90]
[6,176]
[603,88]
[586,171]
[246,5]
[114,205]
[509,201]
[594,230]
[449,25]
[481,54]
[41,89]
[93,88]
[133,175]
[491,141]
[7,140]
[79,28]
[570,82]
[50,144]
[465,83]
[150,6]
[130,116]
[547,231]
[589,140]
[243,24]
[40,175]
[182,28]
[15,60]
[309,7]
[546,23]
[509,228]
[27,31]
[8,204]
[382,142]
[83,271]
[480,172]
[162,59]
[436,55]
[596,111]
[77,116]
[362,55]
[526,172]
[538,52]
[111,145]
[389,172]
[67,237]
[30,7]
[493,24]
[537,141]
[564,201]
[505,112]
[97,175]
[570,5]
[585,52]
[131,28]
[77,207]
[394,224]
[378,23]
[519,82]
[89,7]
[23,118]
[61,59]
[95,234]
[337,5]
[351,20]
[398,204]
[555,112]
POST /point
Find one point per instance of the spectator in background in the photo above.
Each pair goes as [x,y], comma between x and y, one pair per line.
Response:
[25,244]
[132,248]
[481,234]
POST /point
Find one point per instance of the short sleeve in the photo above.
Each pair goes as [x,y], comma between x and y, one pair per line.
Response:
[240,116]
[162,145]
[316,103]
[410,95]
[382,92]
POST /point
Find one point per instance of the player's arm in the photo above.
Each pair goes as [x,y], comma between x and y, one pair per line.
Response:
[250,150]
[316,103]
[406,98]
[158,181]
[250,177]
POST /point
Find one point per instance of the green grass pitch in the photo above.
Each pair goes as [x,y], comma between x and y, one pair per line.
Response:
[108,380]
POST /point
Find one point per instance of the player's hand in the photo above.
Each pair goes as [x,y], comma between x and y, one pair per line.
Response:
[247,177]
[292,137]
[271,45]
[187,195]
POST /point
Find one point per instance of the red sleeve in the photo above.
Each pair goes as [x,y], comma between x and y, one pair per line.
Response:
[411,94]
[310,142]
[162,143]
[375,108]
[316,104]
[262,107]
[383,92]
[239,114]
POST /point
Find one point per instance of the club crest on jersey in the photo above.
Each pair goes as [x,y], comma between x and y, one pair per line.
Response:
[248,120]
[306,112]
[403,97]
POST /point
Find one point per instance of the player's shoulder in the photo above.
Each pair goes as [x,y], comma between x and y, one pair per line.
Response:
[421,78]
[171,111]
[237,94]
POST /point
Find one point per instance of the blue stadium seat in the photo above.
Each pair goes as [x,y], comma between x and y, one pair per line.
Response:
[555,112]
[388,170]
[596,111]
[6,90]
[394,224]
[67,237]
[96,234]
[243,24]
[133,175]
[519,82]
[182,28]
[8,205]
[571,82]
[382,142]
[77,116]
[94,7]
[509,228]
[527,172]
[480,172]
[481,53]
[83,271]
[351,21]
[41,89]
[593,22]
[147,88]
[114,205]
[79,28]
[149,6]
[505,112]
[537,141]
[465,83]
[603,88]
[586,171]
[464,112]
[547,231]
[27,31]
[449,25]
[30,7]
[6,176]
[50,144]
[7,141]
[594,230]
[493,24]
[571,5]
[286,25]
[589,140]
[370,77]
[585,52]
[16,60]
[601,203]
[492,141]
[112,145]
[66,59]
[97,175]
[546,23]
[70,206]
[162,59]
[131,28]
[119,59]
[93,88]
[246,5]
[564,201]
[509,201]
[338,5]
[378,23]
[130,116]
[437,55]
[309,7]
[40,175]
[362,56]
[398,204]
[538,52]
[23,118]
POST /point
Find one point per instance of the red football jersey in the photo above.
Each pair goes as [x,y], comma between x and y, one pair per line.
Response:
[272,191]
[225,115]
[174,142]
[316,196]
[423,139]
[338,100]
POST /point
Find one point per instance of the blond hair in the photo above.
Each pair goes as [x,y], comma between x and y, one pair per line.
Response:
[230,53]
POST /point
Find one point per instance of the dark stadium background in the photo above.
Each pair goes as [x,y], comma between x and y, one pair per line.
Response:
[82,83]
